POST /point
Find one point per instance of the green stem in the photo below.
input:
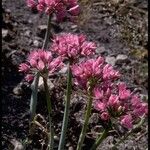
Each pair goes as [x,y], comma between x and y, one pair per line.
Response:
[129,133]
[66,112]
[34,87]
[87,116]
[48,33]
[100,139]
[33,101]
[49,107]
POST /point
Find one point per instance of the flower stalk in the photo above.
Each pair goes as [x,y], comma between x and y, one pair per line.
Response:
[34,87]
[87,116]
[49,107]
[100,139]
[48,33]
[33,101]
[66,111]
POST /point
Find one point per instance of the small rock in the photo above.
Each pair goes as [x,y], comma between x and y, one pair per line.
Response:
[12,45]
[27,33]
[121,58]
[63,70]
[111,60]
[70,148]
[74,28]
[68,144]
[144,97]
[98,128]
[100,50]
[5,33]
[8,11]
[30,21]
[17,145]
[41,31]
[17,90]
[115,1]
[30,42]
[36,43]
[109,20]
[56,138]
[15,24]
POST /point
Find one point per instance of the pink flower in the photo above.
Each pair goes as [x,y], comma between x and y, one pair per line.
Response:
[105,116]
[55,64]
[100,106]
[45,56]
[33,55]
[33,62]
[74,10]
[109,72]
[29,77]
[72,46]
[42,1]
[87,48]
[135,100]
[98,94]
[140,110]
[113,101]
[31,3]
[93,70]
[110,98]
[40,65]
[40,61]
[40,7]
[123,92]
[62,8]
[24,67]
[126,121]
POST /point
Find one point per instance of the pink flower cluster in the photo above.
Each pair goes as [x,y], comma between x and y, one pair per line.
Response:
[111,99]
[40,61]
[95,71]
[62,8]
[72,46]
[118,101]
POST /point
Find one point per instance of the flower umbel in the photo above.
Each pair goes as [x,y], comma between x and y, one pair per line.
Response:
[40,61]
[62,8]
[125,107]
[111,98]
[94,70]
[72,46]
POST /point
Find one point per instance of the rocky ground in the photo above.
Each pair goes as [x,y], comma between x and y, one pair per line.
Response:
[120,30]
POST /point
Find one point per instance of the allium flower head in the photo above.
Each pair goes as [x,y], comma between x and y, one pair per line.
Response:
[62,8]
[119,103]
[72,46]
[40,61]
[94,70]
[111,98]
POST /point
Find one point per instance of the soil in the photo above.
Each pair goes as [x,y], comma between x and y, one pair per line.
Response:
[118,27]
